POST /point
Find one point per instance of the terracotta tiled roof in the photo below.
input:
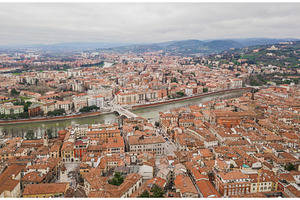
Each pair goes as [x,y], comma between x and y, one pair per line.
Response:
[185,184]
[34,177]
[207,189]
[45,188]
[7,181]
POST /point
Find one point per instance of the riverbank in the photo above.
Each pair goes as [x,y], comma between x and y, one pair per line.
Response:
[186,98]
[58,118]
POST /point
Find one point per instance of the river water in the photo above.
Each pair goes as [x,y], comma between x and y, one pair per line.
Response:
[150,113]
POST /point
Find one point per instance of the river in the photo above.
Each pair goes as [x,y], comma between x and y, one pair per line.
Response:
[150,113]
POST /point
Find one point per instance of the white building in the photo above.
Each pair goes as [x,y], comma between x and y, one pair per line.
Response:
[97,101]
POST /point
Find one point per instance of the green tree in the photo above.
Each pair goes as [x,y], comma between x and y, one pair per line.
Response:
[88,108]
[56,112]
[49,133]
[156,123]
[145,194]
[290,167]
[205,89]
[117,180]
[30,135]
[50,113]
[27,105]
[174,80]
[14,92]
[180,94]
[36,81]
[41,113]
[157,191]
[23,115]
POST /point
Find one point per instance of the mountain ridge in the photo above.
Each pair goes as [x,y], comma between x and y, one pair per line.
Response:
[176,47]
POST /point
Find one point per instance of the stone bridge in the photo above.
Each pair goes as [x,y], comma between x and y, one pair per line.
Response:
[122,111]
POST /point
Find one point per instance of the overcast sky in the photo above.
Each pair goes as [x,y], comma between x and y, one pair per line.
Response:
[44,23]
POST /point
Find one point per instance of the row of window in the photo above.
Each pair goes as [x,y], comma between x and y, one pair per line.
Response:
[262,184]
[241,185]
[263,188]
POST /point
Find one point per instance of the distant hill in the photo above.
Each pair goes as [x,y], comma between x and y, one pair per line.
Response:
[192,47]
[182,47]
[72,46]
[262,41]
[282,55]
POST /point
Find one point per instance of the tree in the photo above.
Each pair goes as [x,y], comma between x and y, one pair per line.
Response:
[56,112]
[49,133]
[205,89]
[27,105]
[290,167]
[145,194]
[157,191]
[156,123]
[174,79]
[180,93]
[89,108]
[14,92]
[117,180]
[30,135]
[24,115]
[36,81]
[41,113]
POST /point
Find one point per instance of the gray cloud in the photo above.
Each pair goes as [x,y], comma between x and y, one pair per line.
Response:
[29,23]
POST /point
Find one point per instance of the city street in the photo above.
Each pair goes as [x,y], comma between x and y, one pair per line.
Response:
[71,174]
[170,147]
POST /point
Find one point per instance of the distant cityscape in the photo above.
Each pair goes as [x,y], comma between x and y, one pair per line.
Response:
[244,142]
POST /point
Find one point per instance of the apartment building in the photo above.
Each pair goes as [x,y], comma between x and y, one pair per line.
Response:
[10,108]
[138,143]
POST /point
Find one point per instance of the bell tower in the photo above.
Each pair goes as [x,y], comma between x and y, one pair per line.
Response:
[45,139]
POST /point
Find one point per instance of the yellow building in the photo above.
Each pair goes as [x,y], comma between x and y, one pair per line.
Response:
[8,151]
[54,150]
[263,181]
[104,134]
[67,151]
[45,190]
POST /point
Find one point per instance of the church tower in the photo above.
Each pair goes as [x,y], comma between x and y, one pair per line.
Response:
[252,100]
[45,139]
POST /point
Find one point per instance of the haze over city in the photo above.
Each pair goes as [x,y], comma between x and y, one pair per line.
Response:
[47,23]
